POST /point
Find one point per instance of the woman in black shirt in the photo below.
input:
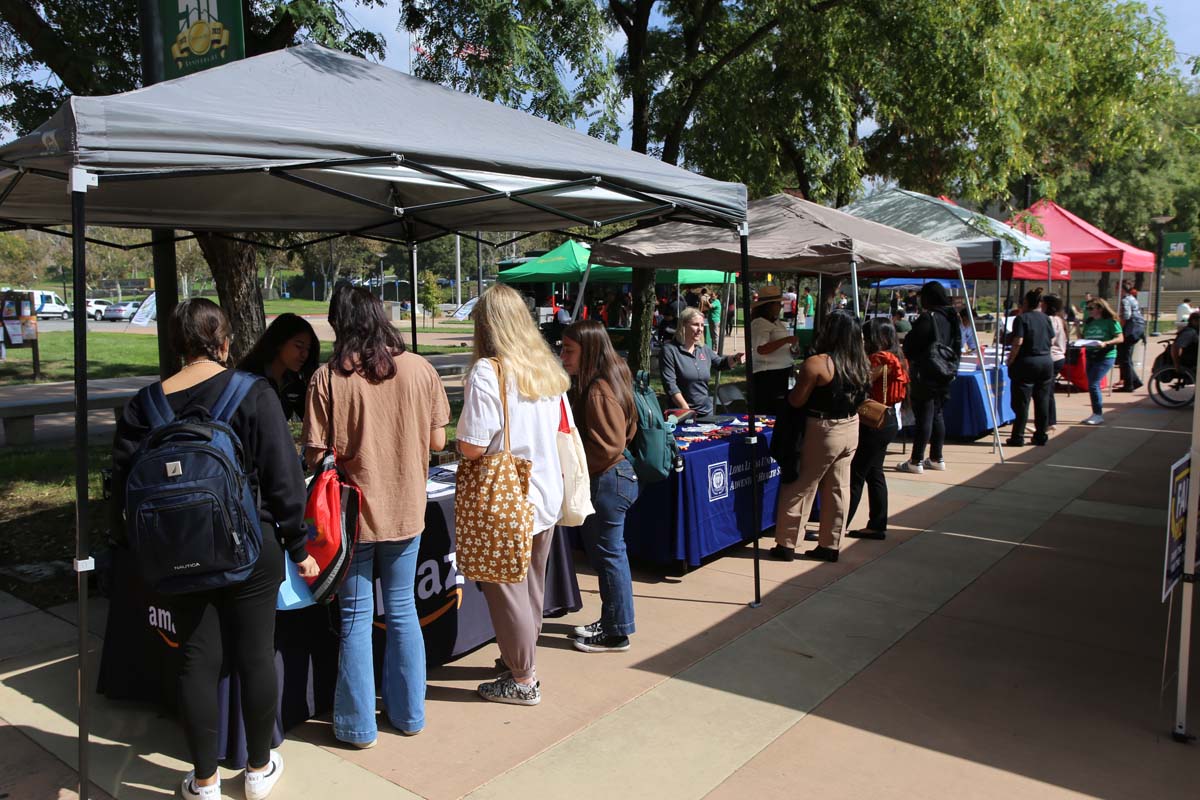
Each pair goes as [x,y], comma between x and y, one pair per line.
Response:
[1031,370]
[286,355]
[241,616]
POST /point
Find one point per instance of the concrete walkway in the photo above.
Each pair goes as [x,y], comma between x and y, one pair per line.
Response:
[1005,641]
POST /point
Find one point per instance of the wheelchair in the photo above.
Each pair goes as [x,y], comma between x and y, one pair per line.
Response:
[1171,386]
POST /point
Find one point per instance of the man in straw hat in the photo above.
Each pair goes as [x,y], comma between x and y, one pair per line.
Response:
[774,345]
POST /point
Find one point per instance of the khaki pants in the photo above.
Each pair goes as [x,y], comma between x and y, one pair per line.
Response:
[825,456]
[516,611]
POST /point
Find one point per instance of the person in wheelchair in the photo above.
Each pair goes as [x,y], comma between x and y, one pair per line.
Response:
[1186,345]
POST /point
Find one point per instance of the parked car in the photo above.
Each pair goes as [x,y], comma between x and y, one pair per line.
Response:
[95,308]
[121,312]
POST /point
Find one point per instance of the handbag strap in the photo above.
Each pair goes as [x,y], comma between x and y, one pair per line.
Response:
[563,425]
[884,400]
[496,365]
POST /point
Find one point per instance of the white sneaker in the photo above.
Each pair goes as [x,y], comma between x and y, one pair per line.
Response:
[260,784]
[1094,419]
[939,465]
[908,466]
[589,630]
[190,791]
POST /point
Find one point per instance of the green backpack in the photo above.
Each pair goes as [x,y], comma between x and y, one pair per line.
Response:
[652,452]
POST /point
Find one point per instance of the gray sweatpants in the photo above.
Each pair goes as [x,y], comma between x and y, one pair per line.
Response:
[516,611]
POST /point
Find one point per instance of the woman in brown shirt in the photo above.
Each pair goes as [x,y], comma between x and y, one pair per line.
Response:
[602,401]
[380,410]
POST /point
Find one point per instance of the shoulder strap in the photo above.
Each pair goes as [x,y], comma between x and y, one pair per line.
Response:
[563,425]
[235,392]
[155,404]
[498,367]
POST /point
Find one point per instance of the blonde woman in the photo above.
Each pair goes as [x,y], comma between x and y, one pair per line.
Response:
[687,364]
[534,391]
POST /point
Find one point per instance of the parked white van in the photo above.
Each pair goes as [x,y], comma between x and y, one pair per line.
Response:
[45,304]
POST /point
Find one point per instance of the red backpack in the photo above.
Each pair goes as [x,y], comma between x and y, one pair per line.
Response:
[897,378]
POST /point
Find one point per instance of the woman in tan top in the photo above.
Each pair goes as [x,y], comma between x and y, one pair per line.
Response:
[602,400]
[380,410]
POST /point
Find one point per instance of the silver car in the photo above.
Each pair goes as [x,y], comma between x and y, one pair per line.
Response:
[121,312]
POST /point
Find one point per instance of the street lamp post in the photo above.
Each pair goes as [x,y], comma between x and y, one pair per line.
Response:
[1159,223]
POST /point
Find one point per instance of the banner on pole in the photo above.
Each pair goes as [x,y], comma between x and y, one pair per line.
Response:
[1177,250]
[198,34]
[1177,524]
[146,312]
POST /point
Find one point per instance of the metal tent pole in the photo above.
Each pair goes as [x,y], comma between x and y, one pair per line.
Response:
[587,271]
[1001,327]
[854,285]
[80,180]
[412,276]
[1180,733]
[752,435]
[457,270]
[1120,322]
[993,405]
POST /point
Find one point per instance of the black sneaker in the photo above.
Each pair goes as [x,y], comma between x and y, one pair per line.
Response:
[603,643]
[589,630]
[820,553]
[782,553]
[867,533]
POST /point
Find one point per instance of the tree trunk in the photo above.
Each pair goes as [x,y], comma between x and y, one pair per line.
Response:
[644,302]
[234,267]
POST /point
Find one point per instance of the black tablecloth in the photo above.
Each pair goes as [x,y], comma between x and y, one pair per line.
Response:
[138,659]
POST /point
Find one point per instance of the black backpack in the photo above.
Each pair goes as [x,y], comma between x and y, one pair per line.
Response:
[939,366]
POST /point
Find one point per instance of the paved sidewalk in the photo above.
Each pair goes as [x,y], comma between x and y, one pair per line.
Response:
[1005,641]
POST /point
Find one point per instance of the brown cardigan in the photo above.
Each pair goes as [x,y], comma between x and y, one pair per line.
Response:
[604,427]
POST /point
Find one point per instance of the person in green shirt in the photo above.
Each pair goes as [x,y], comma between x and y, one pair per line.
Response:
[810,304]
[1101,326]
[714,318]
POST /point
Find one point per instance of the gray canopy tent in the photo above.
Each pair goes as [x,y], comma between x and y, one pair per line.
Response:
[313,140]
[790,235]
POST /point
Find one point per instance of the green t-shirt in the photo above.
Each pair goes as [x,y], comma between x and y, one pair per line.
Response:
[714,312]
[810,305]
[1105,330]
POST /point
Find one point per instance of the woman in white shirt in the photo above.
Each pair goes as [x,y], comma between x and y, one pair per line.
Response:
[534,393]
[1052,306]
[773,361]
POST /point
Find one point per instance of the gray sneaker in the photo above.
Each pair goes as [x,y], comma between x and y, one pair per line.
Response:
[588,631]
[507,690]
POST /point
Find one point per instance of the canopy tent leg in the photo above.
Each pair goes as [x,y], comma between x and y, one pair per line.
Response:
[1120,298]
[718,338]
[854,286]
[987,386]
[84,564]
[412,276]
[1180,733]
[752,435]
[582,290]
[457,270]
[1001,328]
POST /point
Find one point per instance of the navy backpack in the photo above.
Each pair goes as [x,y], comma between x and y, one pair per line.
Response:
[190,510]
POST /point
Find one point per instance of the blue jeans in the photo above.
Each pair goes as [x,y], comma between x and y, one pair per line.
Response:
[404,655]
[603,534]
[1097,368]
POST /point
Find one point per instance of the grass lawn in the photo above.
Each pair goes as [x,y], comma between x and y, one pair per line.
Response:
[110,355]
[37,515]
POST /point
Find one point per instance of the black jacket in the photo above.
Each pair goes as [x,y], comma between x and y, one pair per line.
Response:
[271,459]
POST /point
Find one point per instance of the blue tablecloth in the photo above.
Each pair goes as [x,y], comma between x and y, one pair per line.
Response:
[966,412]
[707,507]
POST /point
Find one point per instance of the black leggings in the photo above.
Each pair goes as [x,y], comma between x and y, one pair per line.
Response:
[867,469]
[242,616]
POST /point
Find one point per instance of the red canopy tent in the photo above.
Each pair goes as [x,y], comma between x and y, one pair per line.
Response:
[1088,248]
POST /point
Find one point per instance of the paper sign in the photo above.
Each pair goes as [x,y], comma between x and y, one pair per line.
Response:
[1177,524]
[144,313]
[13,327]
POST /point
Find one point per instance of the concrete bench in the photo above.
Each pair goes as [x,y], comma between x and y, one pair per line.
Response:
[19,415]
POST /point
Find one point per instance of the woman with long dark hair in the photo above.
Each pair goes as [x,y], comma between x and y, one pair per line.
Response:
[380,410]
[602,400]
[286,355]
[234,624]
[1052,306]
[888,375]
[829,389]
